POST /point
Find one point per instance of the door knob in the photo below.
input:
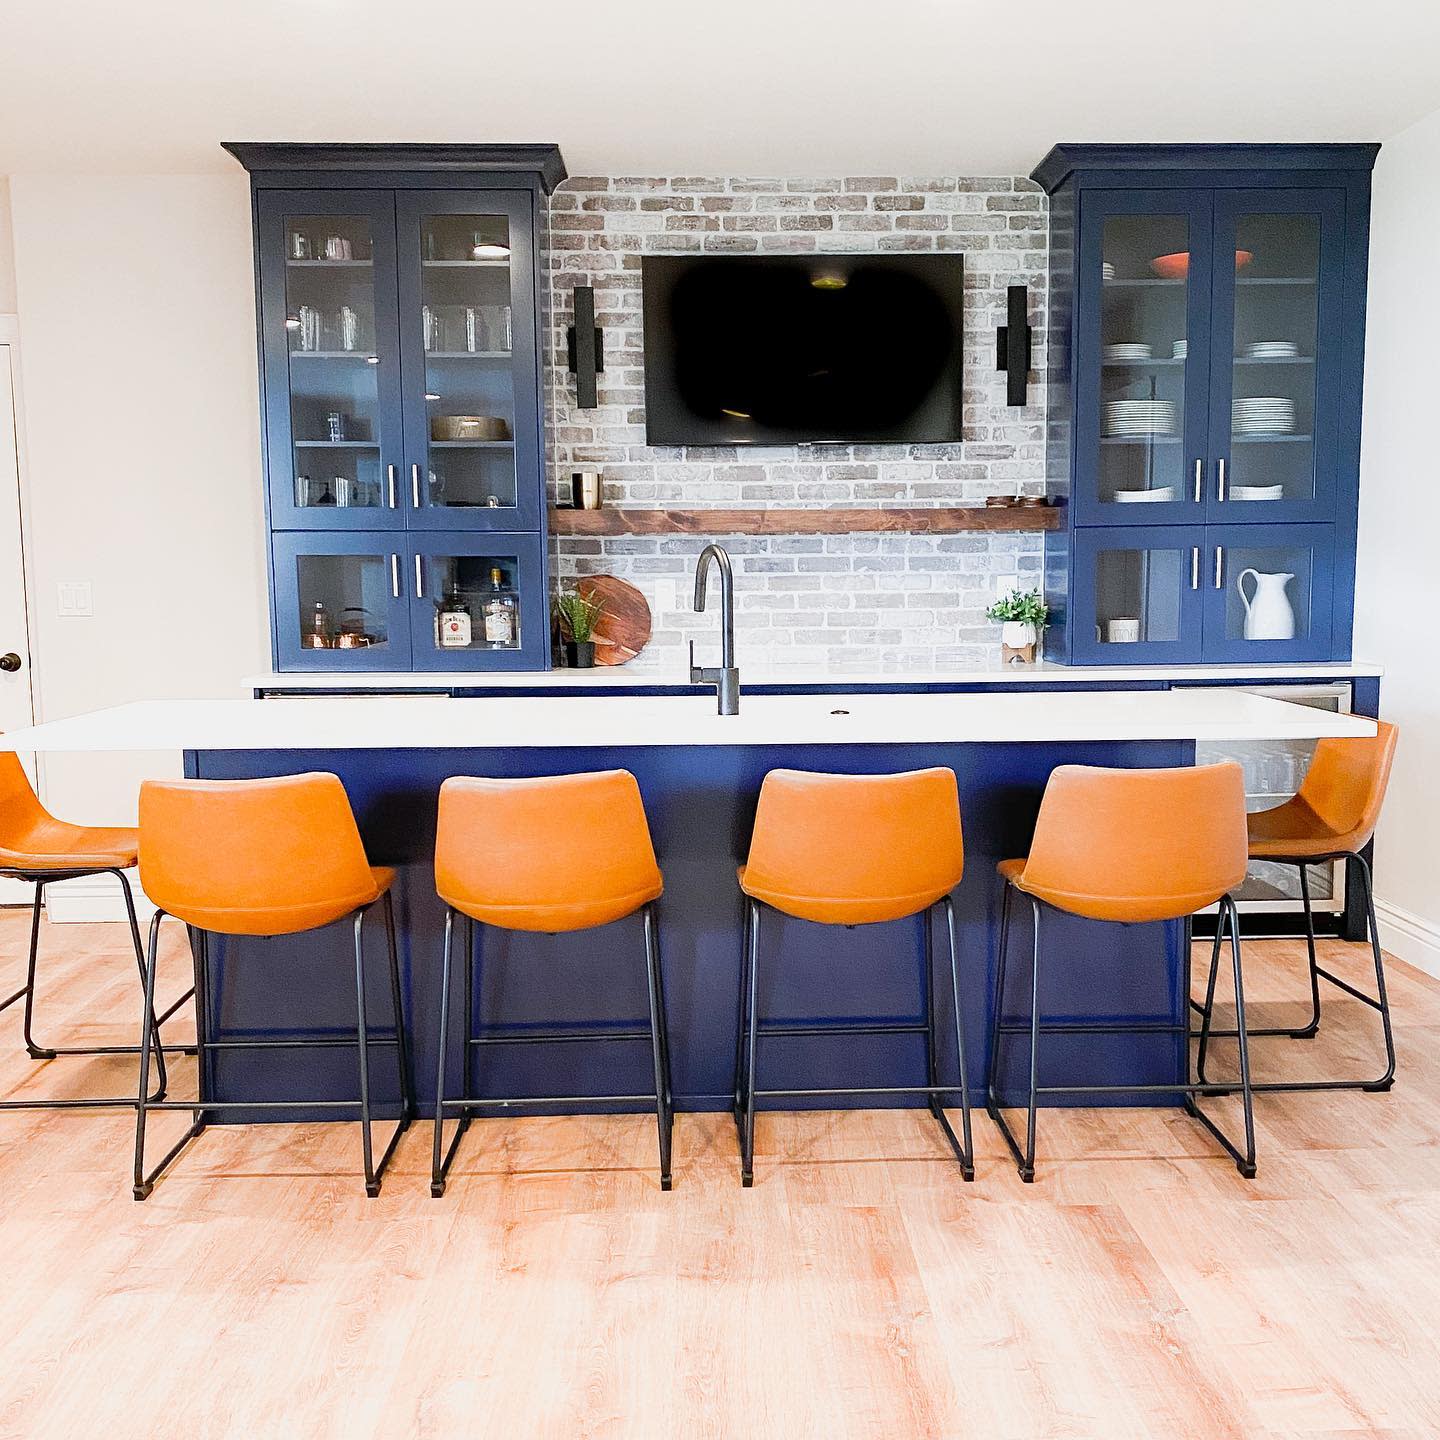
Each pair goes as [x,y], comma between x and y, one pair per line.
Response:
[10,663]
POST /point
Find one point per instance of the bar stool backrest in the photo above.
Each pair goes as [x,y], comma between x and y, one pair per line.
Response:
[1138,845]
[1346,783]
[21,813]
[855,849]
[561,852]
[253,857]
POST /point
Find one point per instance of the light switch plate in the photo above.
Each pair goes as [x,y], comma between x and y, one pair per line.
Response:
[74,599]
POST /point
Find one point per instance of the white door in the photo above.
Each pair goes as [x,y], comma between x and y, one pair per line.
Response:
[15,708]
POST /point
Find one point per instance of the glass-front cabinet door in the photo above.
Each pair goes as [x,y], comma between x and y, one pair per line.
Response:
[1269,592]
[341,601]
[1275,367]
[1137,594]
[331,357]
[1142,356]
[477,602]
[472,427]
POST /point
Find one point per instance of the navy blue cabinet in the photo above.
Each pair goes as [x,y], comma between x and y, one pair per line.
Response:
[1207,340]
[399,298]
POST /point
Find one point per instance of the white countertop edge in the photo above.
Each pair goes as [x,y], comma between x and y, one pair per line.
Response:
[623,721]
[618,676]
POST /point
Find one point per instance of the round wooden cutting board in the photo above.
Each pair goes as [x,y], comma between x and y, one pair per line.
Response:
[623,629]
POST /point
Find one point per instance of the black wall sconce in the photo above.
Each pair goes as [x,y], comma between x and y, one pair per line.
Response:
[1012,344]
[585,343]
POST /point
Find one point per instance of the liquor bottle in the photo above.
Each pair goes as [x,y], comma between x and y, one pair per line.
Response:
[452,621]
[317,634]
[501,613]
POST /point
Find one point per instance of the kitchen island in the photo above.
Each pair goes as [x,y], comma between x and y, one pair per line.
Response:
[700,774]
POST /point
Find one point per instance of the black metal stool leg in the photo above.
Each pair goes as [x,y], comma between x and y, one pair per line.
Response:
[1207,1010]
[747,1130]
[402,1042]
[440,1159]
[1306,1031]
[737,1109]
[659,1041]
[1388,1078]
[964,1153]
[372,1182]
[1024,1159]
[144,1183]
[36,1052]
[992,1059]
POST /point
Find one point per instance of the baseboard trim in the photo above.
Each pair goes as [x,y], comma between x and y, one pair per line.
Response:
[1409,937]
[93,899]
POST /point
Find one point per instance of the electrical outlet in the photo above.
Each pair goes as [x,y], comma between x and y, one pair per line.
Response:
[74,600]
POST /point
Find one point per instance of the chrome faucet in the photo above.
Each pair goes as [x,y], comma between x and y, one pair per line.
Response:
[725,679]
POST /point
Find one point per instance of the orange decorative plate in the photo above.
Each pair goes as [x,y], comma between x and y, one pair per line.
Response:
[623,629]
[1177,266]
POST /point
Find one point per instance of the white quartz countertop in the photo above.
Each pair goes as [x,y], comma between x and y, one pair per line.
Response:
[608,677]
[419,722]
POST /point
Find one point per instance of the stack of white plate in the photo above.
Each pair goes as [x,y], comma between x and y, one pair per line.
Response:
[1140,417]
[1137,497]
[1181,349]
[1107,270]
[1272,350]
[1126,351]
[1264,415]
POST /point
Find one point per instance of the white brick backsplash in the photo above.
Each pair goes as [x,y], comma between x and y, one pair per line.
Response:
[879,604]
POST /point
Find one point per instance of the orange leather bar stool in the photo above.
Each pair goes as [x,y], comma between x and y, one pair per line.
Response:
[561,853]
[853,850]
[263,858]
[1132,846]
[1333,817]
[36,847]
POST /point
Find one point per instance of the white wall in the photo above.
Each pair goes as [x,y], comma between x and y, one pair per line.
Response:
[7,252]
[1398,584]
[136,303]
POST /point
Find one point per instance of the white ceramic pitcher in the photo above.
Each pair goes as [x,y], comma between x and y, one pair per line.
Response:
[1268,615]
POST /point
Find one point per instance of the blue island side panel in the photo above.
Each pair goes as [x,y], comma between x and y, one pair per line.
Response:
[701,804]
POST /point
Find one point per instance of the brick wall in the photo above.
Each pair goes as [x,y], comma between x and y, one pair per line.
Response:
[857,602]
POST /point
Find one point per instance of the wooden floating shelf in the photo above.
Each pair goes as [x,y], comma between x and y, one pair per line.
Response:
[849,520]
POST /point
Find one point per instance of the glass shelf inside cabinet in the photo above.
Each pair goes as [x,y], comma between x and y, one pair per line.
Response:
[1276,326]
[469,385]
[343,601]
[333,371]
[476,600]
[1143,348]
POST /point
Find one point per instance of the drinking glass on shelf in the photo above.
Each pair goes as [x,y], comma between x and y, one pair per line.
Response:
[299,245]
[335,427]
[308,332]
[434,327]
[337,247]
[349,328]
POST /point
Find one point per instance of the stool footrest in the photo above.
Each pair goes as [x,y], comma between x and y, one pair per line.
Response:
[457,1106]
[1097,1027]
[316,1042]
[864,1090]
[555,1037]
[867,1027]
[1348,988]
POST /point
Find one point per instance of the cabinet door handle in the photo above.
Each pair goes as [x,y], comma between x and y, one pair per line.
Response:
[419,580]
[1194,567]
[390,481]
[415,486]
[395,576]
[1199,481]
[1219,567]
[1220,486]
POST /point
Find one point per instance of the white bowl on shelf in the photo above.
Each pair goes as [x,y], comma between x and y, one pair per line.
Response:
[1142,497]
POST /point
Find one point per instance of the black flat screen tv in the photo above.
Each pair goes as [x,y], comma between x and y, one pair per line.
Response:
[803,349]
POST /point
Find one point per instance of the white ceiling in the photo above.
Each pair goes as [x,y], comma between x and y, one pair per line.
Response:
[722,87]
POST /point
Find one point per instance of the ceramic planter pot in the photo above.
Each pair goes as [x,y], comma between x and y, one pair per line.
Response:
[580,654]
[1017,634]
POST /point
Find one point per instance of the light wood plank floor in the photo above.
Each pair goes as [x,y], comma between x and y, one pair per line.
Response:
[1139,1288]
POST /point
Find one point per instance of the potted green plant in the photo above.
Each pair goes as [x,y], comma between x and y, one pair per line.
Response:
[1022,615]
[578,617]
